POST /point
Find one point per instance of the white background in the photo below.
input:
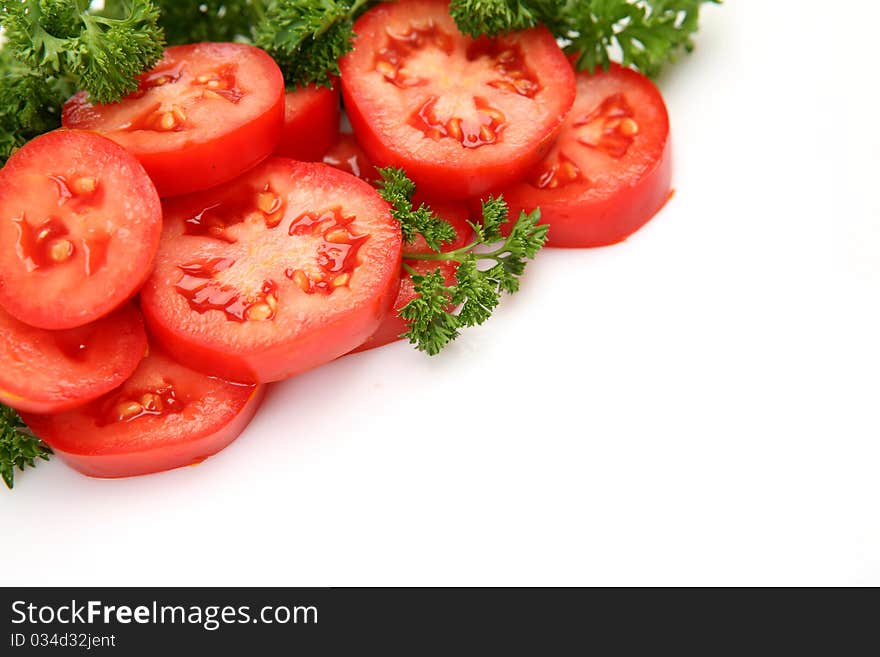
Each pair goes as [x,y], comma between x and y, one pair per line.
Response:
[696,406]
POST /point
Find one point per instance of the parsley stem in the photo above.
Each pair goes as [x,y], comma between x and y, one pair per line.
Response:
[459,255]
[409,270]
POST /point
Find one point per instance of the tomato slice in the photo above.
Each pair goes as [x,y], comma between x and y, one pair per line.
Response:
[393,326]
[610,170]
[205,114]
[347,155]
[165,416]
[292,265]
[461,116]
[79,228]
[311,123]
[53,371]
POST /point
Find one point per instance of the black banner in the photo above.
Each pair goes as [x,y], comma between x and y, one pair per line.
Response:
[415,621]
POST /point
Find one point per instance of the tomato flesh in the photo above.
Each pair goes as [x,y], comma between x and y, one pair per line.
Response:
[292,265]
[347,155]
[165,416]
[610,171]
[311,123]
[205,114]
[393,326]
[53,371]
[79,228]
[461,116]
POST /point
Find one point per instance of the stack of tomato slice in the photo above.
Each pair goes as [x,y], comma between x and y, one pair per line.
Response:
[138,334]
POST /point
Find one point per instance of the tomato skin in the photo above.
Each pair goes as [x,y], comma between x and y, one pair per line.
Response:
[309,329]
[215,414]
[276,363]
[393,326]
[230,140]
[628,193]
[54,371]
[441,169]
[202,166]
[121,218]
[311,123]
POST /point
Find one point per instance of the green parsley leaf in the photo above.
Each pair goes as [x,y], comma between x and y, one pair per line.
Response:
[493,17]
[194,21]
[647,33]
[491,265]
[30,104]
[431,326]
[101,54]
[18,447]
[307,38]
[398,190]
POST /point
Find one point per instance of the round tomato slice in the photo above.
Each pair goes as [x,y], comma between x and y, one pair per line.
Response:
[292,265]
[165,416]
[393,327]
[461,116]
[53,371]
[610,170]
[205,114]
[347,155]
[311,123]
[79,228]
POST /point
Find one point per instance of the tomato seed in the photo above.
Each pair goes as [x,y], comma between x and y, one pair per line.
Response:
[338,236]
[61,250]
[268,202]
[83,185]
[128,410]
[629,128]
[167,121]
[152,402]
[260,312]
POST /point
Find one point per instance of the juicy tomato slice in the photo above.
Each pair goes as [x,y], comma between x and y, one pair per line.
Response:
[80,223]
[610,170]
[205,114]
[461,116]
[292,265]
[347,155]
[165,416]
[393,326]
[53,371]
[311,123]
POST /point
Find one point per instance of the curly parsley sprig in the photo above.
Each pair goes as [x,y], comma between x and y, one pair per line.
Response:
[305,37]
[54,47]
[648,33]
[101,54]
[18,447]
[192,21]
[486,268]
[308,38]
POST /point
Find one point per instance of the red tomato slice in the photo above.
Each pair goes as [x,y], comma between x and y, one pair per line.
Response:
[205,114]
[461,116]
[347,155]
[611,168]
[53,371]
[79,228]
[165,416]
[292,265]
[393,326]
[311,123]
